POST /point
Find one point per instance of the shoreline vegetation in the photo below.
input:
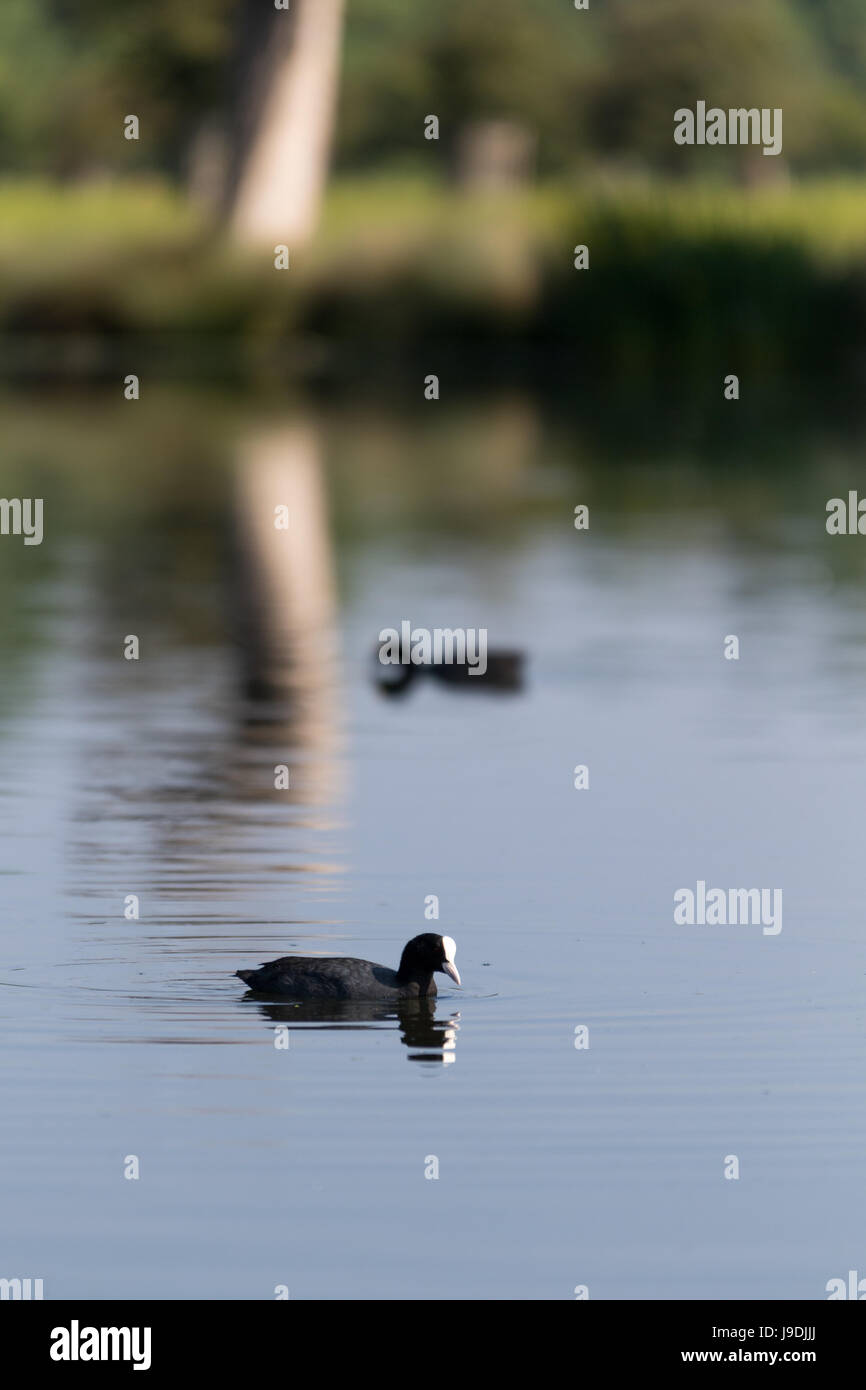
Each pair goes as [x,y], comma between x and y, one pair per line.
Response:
[682,277]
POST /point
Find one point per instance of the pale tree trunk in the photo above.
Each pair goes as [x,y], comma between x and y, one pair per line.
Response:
[282,175]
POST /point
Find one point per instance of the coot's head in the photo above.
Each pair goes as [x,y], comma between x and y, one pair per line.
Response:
[428,953]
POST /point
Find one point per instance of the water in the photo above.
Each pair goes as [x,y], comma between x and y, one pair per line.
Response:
[305,1167]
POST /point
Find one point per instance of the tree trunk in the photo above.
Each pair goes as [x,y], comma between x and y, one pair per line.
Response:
[290,74]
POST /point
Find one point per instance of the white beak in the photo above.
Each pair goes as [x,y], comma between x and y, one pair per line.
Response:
[450,968]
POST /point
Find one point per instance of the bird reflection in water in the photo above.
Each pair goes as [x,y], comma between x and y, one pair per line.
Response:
[428,1038]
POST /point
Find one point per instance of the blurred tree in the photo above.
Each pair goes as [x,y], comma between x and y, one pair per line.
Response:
[524,60]
[840,28]
[70,70]
[33,61]
[602,84]
[284,120]
[743,53]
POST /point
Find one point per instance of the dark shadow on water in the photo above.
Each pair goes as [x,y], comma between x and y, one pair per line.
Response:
[416,1019]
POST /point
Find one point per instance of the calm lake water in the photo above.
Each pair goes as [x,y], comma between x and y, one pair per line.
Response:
[305,1166]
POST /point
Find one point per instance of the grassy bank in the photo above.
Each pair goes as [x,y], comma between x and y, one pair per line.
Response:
[681,278]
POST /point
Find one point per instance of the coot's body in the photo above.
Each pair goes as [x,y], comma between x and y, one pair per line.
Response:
[330,977]
[504,671]
[343,977]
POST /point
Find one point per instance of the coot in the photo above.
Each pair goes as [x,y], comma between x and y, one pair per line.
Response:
[342,977]
[504,672]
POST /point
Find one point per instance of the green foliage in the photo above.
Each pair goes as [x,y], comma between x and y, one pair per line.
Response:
[683,277]
[70,70]
[671,53]
[604,83]
[596,85]
[462,62]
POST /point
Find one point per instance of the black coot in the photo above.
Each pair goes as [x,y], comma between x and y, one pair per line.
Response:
[342,977]
[504,672]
